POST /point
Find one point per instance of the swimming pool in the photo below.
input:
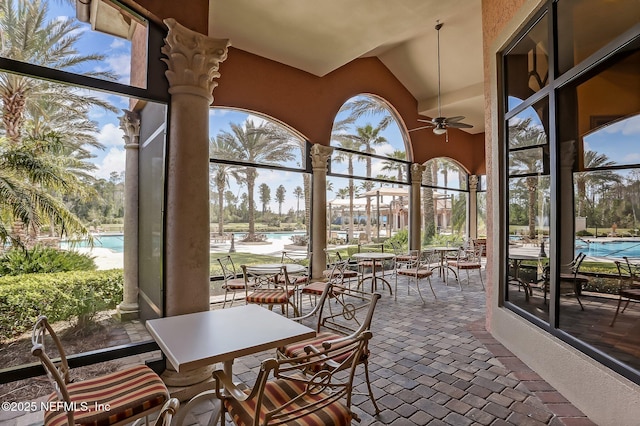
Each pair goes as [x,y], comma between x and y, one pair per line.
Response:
[608,248]
[113,242]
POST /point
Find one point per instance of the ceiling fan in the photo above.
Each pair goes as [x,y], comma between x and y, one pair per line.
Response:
[440,124]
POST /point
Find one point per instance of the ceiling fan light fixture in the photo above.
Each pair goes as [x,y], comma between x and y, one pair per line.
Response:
[439,130]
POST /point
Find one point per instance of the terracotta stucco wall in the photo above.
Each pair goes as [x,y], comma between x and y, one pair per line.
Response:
[309,104]
[193,14]
[495,16]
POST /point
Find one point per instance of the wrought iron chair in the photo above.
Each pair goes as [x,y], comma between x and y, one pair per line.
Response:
[574,276]
[269,289]
[341,315]
[232,284]
[420,268]
[112,399]
[347,274]
[298,258]
[282,395]
[629,285]
[468,260]
[336,276]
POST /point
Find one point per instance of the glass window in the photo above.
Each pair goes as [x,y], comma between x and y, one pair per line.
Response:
[584,26]
[590,193]
[444,203]
[101,44]
[368,144]
[527,64]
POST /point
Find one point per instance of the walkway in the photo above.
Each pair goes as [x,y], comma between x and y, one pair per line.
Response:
[434,364]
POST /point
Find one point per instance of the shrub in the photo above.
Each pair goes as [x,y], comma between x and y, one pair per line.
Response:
[61,296]
[42,260]
[584,233]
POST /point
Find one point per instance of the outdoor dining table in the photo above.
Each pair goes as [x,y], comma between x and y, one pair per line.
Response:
[516,261]
[374,258]
[203,338]
[442,266]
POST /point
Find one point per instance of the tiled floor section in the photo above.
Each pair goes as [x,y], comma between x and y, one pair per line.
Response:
[435,364]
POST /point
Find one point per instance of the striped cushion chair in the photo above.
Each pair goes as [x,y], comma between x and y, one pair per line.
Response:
[283,395]
[279,293]
[341,315]
[113,399]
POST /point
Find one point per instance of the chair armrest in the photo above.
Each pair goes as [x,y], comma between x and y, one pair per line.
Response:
[230,388]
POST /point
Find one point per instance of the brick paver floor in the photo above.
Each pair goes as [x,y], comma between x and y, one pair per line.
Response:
[435,364]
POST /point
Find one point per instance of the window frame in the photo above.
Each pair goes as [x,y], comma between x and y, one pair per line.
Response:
[600,58]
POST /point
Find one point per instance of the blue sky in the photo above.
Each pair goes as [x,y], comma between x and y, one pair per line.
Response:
[118,59]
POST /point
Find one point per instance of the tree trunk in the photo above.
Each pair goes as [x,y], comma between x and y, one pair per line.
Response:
[532,186]
[251,178]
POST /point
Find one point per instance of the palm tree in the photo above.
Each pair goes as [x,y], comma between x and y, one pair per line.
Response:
[368,105]
[593,160]
[56,116]
[298,192]
[26,36]
[220,148]
[397,167]
[347,156]
[28,173]
[265,196]
[429,177]
[366,137]
[524,134]
[255,145]
[280,193]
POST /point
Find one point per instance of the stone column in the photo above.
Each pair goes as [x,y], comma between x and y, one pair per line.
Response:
[565,234]
[320,154]
[473,206]
[193,60]
[130,124]
[414,207]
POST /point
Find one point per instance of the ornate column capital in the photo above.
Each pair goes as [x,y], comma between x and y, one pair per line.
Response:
[193,60]
[473,182]
[320,155]
[416,173]
[130,125]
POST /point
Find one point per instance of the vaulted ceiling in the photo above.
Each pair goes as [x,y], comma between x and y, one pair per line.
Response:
[319,37]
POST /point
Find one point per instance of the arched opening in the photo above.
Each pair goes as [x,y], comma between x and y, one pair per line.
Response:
[259,189]
[368,179]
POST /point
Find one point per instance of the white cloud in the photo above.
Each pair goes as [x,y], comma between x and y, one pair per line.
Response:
[111,136]
[626,127]
[218,112]
[116,43]
[257,120]
[631,158]
[121,65]
[114,161]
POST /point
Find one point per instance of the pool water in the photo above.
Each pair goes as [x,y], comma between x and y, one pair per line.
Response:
[608,248]
[114,242]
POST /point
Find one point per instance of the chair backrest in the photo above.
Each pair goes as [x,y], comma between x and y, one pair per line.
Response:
[318,390]
[575,265]
[428,258]
[228,267]
[258,277]
[58,371]
[297,257]
[344,310]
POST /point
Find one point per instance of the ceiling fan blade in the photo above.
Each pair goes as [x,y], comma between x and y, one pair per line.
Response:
[424,120]
[454,119]
[420,128]
[459,125]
